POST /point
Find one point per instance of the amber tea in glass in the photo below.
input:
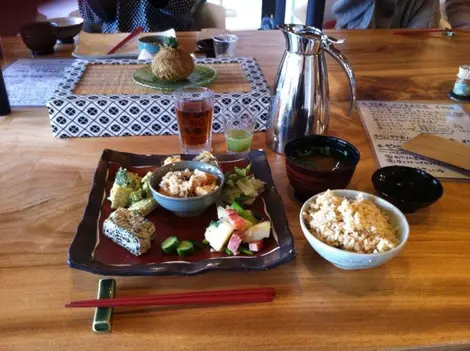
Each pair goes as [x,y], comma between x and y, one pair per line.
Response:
[194,109]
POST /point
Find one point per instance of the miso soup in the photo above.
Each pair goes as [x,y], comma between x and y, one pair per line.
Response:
[319,159]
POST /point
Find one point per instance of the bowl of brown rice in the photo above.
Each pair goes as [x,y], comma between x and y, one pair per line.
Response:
[352,229]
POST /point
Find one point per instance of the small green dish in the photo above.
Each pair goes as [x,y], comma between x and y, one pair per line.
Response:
[201,76]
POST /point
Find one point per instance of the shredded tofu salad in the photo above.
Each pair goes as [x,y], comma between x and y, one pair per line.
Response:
[352,225]
[187,183]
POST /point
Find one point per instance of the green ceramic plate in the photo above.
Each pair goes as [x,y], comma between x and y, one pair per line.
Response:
[202,75]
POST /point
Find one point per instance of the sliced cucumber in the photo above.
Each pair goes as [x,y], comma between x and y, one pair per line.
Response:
[246,251]
[228,252]
[242,198]
[241,172]
[199,244]
[185,248]
[170,244]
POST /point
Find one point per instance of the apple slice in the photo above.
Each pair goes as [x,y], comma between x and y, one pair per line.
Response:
[257,232]
[218,234]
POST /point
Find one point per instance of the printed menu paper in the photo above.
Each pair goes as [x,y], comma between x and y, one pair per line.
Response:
[31,82]
[391,124]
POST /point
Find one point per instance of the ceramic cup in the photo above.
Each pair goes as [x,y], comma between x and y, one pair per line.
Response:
[150,43]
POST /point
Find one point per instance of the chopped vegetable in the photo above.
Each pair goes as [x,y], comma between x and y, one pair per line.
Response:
[126,179]
[246,187]
[146,192]
[219,235]
[128,189]
[122,179]
[144,206]
[241,172]
[245,251]
[170,244]
[241,187]
[146,178]
[239,226]
[205,242]
[256,246]
[185,248]
[244,213]
[198,244]
[120,197]
[221,213]
[207,157]
[257,232]
[172,159]
[136,196]
[236,221]
[235,242]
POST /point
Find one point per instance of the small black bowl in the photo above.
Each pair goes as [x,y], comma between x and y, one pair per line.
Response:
[39,37]
[206,46]
[407,188]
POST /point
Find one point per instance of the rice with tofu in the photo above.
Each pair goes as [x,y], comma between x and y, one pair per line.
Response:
[352,225]
[187,183]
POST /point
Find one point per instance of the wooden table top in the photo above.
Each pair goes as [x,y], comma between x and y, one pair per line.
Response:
[419,299]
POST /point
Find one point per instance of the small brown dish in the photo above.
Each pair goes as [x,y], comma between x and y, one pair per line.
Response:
[67,28]
[316,163]
[39,37]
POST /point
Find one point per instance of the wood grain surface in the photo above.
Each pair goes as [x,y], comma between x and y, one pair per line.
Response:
[420,299]
[437,148]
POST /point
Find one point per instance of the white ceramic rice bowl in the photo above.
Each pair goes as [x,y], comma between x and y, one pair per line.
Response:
[351,260]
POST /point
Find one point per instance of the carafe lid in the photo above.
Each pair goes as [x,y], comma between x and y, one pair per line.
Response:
[300,29]
[308,32]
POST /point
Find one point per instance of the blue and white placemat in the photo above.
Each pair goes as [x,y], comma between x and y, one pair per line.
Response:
[73,115]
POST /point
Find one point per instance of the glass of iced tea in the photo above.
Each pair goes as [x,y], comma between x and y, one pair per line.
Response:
[194,109]
[239,126]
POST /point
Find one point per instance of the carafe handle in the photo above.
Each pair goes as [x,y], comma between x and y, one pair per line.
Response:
[347,67]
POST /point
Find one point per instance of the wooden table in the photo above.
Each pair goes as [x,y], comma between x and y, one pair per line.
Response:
[419,299]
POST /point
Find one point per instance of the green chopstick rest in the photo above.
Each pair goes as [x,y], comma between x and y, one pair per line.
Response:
[102,319]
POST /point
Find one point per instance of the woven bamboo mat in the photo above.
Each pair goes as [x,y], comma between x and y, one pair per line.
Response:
[117,79]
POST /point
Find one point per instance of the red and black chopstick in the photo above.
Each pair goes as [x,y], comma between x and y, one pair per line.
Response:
[193,298]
